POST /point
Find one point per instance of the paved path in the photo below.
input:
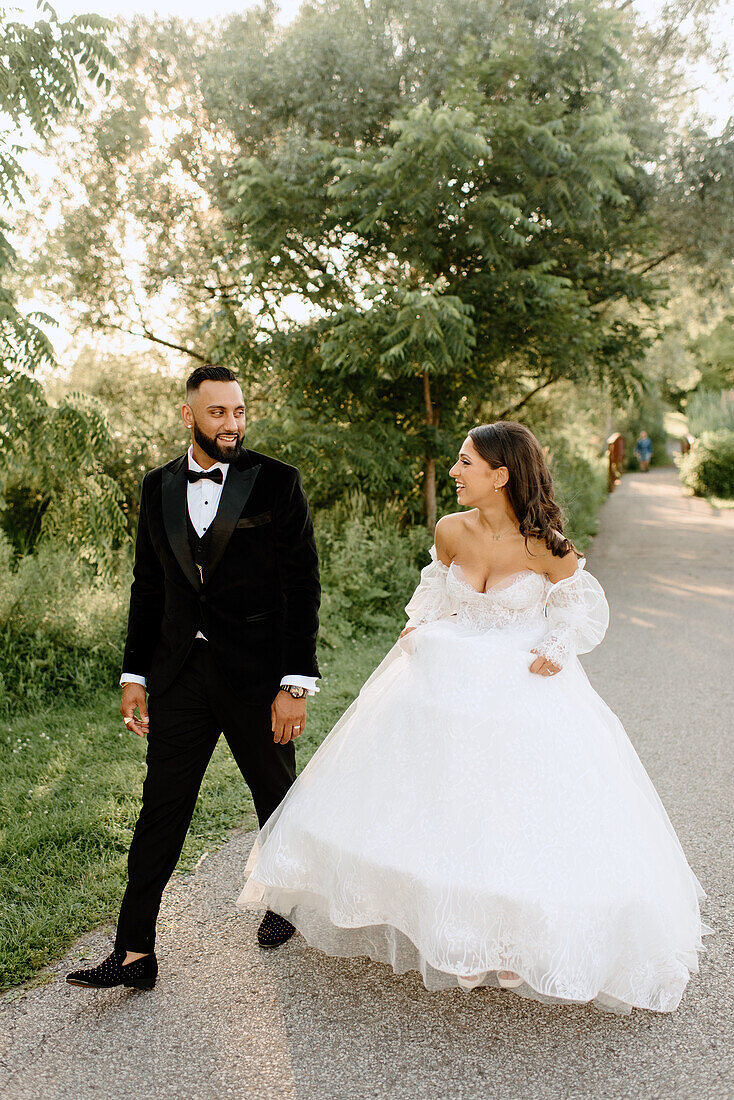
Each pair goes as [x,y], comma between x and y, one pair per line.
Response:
[227,1020]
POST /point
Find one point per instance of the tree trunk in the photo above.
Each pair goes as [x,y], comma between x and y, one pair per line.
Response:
[429,492]
[429,462]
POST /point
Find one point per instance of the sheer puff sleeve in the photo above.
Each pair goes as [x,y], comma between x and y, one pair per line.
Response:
[577,617]
[431,600]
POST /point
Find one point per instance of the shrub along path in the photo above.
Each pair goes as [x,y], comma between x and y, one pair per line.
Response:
[229,1020]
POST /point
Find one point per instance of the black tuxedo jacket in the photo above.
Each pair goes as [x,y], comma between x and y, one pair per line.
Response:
[258,603]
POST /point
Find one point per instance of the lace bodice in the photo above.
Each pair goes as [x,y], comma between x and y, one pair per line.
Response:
[574,610]
[516,600]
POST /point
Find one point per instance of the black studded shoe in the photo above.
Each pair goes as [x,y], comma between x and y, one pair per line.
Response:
[274,930]
[140,974]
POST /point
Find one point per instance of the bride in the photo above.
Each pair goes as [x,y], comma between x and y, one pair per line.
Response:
[478,813]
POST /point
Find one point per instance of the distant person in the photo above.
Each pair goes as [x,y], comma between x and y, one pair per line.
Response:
[222,634]
[643,451]
[478,814]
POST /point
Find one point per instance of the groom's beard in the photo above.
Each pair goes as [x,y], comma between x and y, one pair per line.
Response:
[211,446]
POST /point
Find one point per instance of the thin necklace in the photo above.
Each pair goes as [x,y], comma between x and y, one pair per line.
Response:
[498,537]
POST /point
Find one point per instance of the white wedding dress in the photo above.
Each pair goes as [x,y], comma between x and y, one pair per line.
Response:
[466,816]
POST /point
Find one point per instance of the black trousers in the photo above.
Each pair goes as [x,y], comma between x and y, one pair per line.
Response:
[185,723]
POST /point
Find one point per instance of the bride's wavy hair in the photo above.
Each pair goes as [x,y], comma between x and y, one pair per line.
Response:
[529,485]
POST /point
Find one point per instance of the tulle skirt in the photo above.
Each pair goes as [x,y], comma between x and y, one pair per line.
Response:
[466,816]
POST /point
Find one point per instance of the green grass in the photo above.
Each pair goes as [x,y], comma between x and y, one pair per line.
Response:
[70,795]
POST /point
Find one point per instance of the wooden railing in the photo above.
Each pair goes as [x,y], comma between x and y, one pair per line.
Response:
[615,457]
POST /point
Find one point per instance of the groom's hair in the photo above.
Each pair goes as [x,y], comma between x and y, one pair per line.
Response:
[209,373]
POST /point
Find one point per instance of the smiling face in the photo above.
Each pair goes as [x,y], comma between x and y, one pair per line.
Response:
[475,479]
[215,414]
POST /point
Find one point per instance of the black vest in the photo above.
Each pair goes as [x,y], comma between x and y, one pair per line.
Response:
[199,547]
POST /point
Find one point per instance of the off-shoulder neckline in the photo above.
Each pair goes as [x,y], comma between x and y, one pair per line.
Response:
[580,565]
[502,583]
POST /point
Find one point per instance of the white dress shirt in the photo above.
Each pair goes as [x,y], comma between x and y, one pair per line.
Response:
[202,498]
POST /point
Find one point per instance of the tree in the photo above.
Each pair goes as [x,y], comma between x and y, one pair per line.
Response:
[49,456]
[141,249]
[714,354]
[39,79]
[472,203]
[466,257]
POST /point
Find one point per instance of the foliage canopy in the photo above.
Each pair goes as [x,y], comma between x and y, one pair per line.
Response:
[49,456]
[393,219]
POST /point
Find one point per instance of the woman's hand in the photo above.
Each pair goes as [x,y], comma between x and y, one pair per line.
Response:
[407,630]
[542,666]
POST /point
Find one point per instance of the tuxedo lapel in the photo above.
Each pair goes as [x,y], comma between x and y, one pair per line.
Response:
[175,506]
[237,488]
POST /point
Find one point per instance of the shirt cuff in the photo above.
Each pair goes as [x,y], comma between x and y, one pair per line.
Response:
[130,678]
[308,682]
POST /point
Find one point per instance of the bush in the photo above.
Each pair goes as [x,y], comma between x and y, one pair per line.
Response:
[708,468]
[61,628]
[580,486]
[369,567]
[710,411]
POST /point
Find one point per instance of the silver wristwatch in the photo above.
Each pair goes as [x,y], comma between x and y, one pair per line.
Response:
[296,692]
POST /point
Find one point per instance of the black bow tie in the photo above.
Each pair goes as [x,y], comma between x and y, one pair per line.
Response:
[213,475]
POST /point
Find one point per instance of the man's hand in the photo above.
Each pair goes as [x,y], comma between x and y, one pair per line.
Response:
[287,717]
[133,695]
[543,667]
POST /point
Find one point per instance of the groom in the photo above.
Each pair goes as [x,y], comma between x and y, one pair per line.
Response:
[222,636]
